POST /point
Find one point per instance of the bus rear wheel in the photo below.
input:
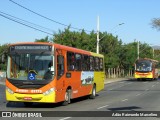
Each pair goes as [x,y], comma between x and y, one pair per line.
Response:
[67,97]
[93,95]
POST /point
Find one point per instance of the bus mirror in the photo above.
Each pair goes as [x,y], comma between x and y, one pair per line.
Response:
[52,69]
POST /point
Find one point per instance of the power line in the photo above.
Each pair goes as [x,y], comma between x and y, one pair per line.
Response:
[27,22]
[46,17]
[24,24]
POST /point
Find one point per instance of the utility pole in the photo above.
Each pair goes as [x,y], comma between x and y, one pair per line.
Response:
[153,52]
[138,49]
[97,34]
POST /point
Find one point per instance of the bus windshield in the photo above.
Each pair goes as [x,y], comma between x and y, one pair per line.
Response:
[29,66]
[143,66]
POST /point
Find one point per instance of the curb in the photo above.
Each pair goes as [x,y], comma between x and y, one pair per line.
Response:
[107,81]
[2,81]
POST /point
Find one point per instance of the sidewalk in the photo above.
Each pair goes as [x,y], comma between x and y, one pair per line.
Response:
[2,81]
[110,80]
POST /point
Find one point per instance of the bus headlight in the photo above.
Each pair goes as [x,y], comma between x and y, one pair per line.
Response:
[49,91]
[9,90]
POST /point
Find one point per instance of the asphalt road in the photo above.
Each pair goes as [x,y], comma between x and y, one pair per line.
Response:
[126,95]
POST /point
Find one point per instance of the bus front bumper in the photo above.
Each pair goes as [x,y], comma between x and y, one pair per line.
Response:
[143,76]
[19,97]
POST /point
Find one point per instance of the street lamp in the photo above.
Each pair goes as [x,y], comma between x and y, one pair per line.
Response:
[104,35]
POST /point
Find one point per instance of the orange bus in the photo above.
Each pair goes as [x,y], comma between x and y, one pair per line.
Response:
[50,73]
[146,68]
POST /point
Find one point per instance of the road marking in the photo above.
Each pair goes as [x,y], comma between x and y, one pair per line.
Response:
[146,89]
[145,82]
[65,118]
[103,107]
[121,82]
[110,89]
[153,85]
[138,94]
[129,83]
[124,100]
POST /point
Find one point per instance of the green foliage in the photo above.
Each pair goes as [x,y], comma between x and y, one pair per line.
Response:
[46,39]
[156,23]
[80,40]
[110,47]
[128,55]
[157,54]
[3,55]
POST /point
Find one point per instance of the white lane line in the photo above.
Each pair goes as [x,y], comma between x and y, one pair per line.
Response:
[146,89]
[110,89]
[65,118]
[153,85]
[121,82]
[103,107]
[129,83]
[124,100]
[138,94]
[145,82]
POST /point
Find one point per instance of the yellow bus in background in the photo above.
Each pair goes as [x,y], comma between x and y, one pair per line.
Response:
[146,68]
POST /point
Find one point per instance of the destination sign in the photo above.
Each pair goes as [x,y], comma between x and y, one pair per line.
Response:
[31,47]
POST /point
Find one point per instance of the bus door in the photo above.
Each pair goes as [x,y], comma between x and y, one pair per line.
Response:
[60,74]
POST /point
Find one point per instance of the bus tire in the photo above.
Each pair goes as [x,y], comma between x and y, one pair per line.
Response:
[93,95]
[67,98]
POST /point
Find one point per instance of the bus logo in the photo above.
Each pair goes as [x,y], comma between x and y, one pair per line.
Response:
[31,76]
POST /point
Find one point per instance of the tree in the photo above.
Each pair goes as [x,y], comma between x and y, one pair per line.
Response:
[46,39]
[110,47]
[156,23]
[128,55]
[145,51]
[157,54]
[80,40]
[3,56]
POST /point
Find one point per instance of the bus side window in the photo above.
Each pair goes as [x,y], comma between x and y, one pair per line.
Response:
[78,62]
[60,66]
[97,64]
[85,63]
[101,64]
[91,61]
[70,61]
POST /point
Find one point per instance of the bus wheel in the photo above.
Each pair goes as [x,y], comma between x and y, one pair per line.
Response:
[28,104]
[93,95]
[67,97]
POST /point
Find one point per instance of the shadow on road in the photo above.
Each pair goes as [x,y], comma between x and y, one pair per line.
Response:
[44,105]
[130,108]
[143,80]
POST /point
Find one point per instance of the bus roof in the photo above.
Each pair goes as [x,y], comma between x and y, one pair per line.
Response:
[147,59]
[34,43]
[64,47]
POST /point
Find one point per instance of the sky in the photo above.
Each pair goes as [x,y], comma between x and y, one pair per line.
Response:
[136,15]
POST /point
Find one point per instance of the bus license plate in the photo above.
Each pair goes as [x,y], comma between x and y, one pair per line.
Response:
[27,98]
